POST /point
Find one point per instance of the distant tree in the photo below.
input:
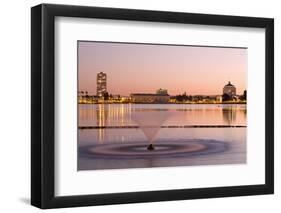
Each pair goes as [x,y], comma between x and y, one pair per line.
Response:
[105,96]
[244,96]
[182,97]
[226,97]
[87,96]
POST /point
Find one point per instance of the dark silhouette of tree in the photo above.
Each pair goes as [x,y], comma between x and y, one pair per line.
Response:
[226,97]
[105,96]
[244,96]
[182,97]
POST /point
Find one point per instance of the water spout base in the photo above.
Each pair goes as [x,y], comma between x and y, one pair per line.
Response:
[150,147]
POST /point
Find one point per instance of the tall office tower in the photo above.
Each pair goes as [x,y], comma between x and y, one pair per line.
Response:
[101,84]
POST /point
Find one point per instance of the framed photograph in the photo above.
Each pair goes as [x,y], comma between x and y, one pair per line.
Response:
[139,106]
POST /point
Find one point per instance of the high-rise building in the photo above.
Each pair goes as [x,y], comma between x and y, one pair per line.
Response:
[229,89]
[101,84]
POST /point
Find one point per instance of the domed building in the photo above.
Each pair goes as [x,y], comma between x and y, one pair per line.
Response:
[229,89]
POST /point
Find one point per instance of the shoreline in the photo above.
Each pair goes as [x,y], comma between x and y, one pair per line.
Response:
[222,103]
[165,126]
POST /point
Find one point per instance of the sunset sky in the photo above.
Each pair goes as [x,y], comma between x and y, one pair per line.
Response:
[144,68]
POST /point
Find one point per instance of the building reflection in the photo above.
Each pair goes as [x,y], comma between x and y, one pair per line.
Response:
[229,115]
[101,117]
[105,117]
[111,115]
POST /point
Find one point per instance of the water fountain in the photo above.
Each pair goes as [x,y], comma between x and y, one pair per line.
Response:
[151,151]
[150,122]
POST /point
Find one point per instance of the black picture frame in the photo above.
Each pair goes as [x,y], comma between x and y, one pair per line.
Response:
[43,105]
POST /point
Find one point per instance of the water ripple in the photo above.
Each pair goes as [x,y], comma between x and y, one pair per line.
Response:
[163,149]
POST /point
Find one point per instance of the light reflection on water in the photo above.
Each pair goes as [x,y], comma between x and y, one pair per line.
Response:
[121,114]
[179,115]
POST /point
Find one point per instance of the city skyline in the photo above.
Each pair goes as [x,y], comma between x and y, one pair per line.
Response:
[143,68]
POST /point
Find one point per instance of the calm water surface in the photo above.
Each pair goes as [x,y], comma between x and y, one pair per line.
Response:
[117,148]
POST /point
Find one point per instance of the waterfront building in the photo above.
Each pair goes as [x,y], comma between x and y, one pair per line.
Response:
[101,84]
[149,98]
[162,92]
[230,90]
[161,96]
[219,98]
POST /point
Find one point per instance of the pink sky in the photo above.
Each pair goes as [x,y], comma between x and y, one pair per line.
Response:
[144,68]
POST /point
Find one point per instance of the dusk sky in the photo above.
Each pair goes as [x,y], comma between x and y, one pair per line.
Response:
[144,68]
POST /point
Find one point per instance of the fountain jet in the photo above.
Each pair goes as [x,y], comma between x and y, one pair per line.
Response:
[150,121]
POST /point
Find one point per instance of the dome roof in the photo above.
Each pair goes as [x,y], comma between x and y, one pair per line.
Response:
[229,85]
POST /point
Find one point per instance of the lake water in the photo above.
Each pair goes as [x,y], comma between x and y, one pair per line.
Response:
[116,136]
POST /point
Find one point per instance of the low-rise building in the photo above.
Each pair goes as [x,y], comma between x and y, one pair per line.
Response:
[149,98]
[219,98]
